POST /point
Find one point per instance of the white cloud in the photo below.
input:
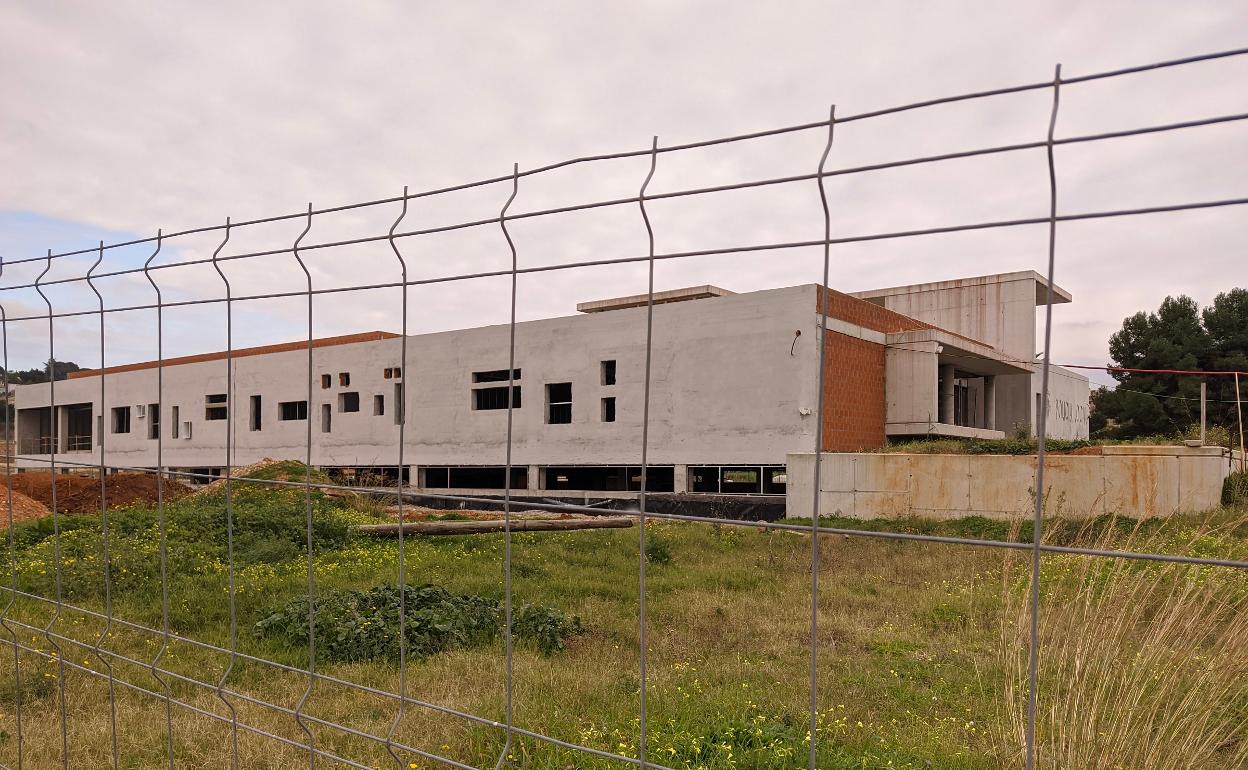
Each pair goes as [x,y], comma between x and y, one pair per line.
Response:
[132,117]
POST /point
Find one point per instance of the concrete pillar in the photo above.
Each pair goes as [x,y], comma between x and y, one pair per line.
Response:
[535,479]
[990,401]
[413,476]
[945,407]
[680,478]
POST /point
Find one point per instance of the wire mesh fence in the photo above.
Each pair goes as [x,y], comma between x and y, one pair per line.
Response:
[335,716]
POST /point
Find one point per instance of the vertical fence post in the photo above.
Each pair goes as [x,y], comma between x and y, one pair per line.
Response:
[824,299]
[1042,410]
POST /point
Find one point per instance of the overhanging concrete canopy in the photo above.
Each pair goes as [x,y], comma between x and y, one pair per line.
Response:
[967,355]
[1060,295]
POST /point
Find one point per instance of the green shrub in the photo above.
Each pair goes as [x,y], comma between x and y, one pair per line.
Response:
[1235,489]
[658,549]
[364,625]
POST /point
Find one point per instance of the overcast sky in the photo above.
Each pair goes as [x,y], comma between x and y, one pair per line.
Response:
[121,118]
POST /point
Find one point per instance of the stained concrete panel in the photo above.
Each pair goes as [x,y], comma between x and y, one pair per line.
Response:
[1074,486]
[881,472]
[882,505]
[1200,484]
[1141,487]
[940,484]
[1000,485]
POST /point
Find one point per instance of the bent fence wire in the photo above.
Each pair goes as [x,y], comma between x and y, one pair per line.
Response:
[122,672]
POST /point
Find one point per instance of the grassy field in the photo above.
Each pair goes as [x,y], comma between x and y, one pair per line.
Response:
[922,658]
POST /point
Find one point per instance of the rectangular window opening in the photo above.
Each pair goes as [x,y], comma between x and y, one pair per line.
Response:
[379,405]
[186,429]
[327,418]
[399,405]
[558,403]
[344,379]
[173,429]
[121,419]
[256,412]
[215,407]
[495,398]
[495,375]
[349,402]
[608,409]
[327,381]
[292,410]
[608,372]
[153,421]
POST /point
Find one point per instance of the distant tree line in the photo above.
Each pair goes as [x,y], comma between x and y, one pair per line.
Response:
[40,374]
[31,376]
[1178,336]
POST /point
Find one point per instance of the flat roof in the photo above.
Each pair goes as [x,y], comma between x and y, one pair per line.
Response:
[1060,295]
[283,347]
[660,298]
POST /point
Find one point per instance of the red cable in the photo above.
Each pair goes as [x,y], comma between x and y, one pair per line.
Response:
[1145,371]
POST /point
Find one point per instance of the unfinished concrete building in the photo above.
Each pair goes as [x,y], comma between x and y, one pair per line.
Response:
[733,390]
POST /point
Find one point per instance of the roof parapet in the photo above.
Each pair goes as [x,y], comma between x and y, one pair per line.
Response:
[660,298]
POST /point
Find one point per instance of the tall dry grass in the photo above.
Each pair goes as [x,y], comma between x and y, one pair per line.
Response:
[1143,665]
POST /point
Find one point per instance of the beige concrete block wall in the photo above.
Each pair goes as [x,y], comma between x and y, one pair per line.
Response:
[1141,482]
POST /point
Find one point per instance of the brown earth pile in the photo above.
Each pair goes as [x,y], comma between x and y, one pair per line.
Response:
[24,508]
[420,513]
[238,472]
[81,494]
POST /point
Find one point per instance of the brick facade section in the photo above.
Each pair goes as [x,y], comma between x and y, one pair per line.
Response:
[853,394]
[853,372]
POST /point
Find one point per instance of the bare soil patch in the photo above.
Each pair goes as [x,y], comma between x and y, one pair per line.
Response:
[24,509]
[81,494]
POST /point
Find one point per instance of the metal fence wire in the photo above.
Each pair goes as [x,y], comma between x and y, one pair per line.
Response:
[67,649]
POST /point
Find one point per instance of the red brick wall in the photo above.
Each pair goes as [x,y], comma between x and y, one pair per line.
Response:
[867,314]
[853,393]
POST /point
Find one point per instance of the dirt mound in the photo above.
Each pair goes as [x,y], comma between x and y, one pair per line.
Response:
[24,509]
[1086,450]
[81,494]
[268,469]
[420,513]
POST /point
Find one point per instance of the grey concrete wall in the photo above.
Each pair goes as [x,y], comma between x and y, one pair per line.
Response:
[1133,481]
[1001,311]
[726,389]
[910,378]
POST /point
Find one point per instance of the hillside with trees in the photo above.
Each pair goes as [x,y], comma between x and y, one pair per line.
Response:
[1178,336]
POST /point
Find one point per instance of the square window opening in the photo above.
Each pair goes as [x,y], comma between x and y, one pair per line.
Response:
[215,407]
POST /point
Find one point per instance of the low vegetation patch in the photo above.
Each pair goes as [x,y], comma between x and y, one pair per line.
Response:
[365,625]
[921,662]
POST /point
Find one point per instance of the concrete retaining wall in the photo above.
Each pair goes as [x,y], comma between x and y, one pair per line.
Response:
[1137,481]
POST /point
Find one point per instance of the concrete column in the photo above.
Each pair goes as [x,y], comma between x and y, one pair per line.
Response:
[945,410]
[413,476]
[990,401]
[535,479]
[680,478]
